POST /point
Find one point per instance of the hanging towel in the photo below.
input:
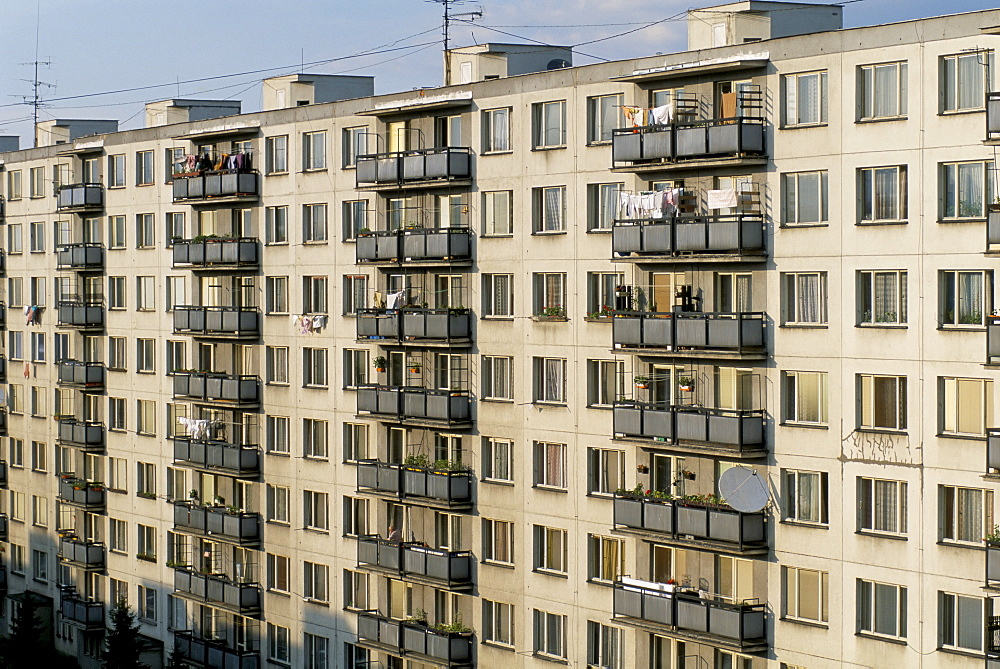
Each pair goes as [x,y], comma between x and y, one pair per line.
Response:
[722,198]
[663,114]
[395,300]
[319,322]
[27,370]
[306,325]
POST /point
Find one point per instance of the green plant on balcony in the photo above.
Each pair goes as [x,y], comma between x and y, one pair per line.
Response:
[233,510]
[146,494]
[379,363]
[604,312]
[219,500]
[419,617]
[685,383]
[994,535]
[96,486]
[148,557]
[193,495]
[709,501]
[454,627]
[552,312]
[641,381]
[640,493]
[365,232]
[174,564]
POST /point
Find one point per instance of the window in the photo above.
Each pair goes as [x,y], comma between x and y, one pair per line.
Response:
[116,353]
[966,190]
[14,185]
[278,567]
[15,291]
[314,150]
[549,293]
[145,355]
[277,435]
[118,590]
[498,213]
[314,373]
[145,231]
[805,198]
[805,397]
[804,298]
[147,542]
[36,237]
[38,347]
[143,168]
[15,348]
[316,651]
[498,377]
[116,171]
[550,634]
[550,464]
[356,513]
[605,382]
[277,504]
[146,606]
[806,594]
[883,402]
[355,367]
[145,481]
[38,290]
[145,419]
[36,182]
[117,535]
[145,293]
[314,294]
[604,114]
[605,646]
[176,356]
[498,541]
[549,209]
[314,228]
[496,130]
[14,238]
[805,495]
[39,456]
[355,144]
[315,581]
[314,510]
[276,225]
[881,298]
[39,565]
[39,511]
[961,621]
[881,609]
[602,205]
[965,80]
[964,514]
[882,91]
[276,365]
[882,194]
[549,380]
[276,300]
[498,623]
[967,406]
[116,413]
[116,232]
[355,217]
[805,98]
[882,506]
[278,645]
[17,500]
[498,460]
[605,471]
[356,588]
[355,441]
[276,158]
[963,297]
[498,295]
[315,438]
[549,124]
[606,558]
[355,293]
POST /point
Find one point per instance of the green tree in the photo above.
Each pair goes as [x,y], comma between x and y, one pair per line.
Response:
[25,643]
[121,647]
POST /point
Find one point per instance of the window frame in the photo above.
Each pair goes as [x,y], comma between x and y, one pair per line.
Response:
[953,170]
[791,108]
[900,398]
[791,187]
[870,188]
[597,132]
[867,296]
[792,312]
[542,136]
[791,590]
[490,131]
[867,81]
[950,289]
[869,491]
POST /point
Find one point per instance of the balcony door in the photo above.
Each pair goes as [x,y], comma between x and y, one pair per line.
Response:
[733,292]
[667,563]
[733,388]
[734,578]
[398,134]
[662,385]
[449,292]
[665,473]
[664,289]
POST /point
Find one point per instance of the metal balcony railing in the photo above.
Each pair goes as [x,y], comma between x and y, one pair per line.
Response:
[4,527]
[415,324]
[226,322]
[216,185]
[684,520]
[212,252]
[81,493]
[83,375]
[86,435]
[414,245]
[79,197]
[216,387]
[80,314]
[690,235]
[450,488]
[414,403]
[227,458]
[739,430]
[81,553]
[690,140]
[737,332]
[416,167]
[452,569]
[993,115]
[84,256]
[218,591]
[420,641]
[214,652]
[220,523]
[80,611]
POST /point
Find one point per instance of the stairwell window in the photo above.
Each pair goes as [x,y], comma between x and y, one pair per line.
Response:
[963,298]
[882,91]
[881,298]
[805,98]
[965,78]
[549,124]
[805,298]
[882,194]
[883,402]
[965,190]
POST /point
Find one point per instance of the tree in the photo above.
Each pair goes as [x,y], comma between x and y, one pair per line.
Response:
[25,643]
[122,643]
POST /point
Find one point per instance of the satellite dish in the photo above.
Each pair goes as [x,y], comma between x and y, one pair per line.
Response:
[743,489]
[557,64]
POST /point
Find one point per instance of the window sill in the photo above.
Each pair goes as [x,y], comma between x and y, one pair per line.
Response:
[793,226]
[276,384]
[959,651]
[962,437]
[549,488]
[550,319]
[601,495]
[808,426]
[313,170]
[497,645]
[879,637]
[960,112]
[872,224]
[278,454]
[881,119]
[600,583]
[882,326]
[497,400]
[601,407]
[806,623]
[315,242]
[599,231]
[548,233]
[801,126]
[317,602]
[499,482]
[497,153]
[279,523]
[315,530]
[967,545]
[597,319]
[805,523]
[549,658]
[961,328]
[279,593]
[881,430]
[600,142]
[275,243]
[503,236]
[350,168]
[971,219]
[806,326]
[501,565]
[881,535]
[549,405]
[497,318]
[282,173]
[550,572]
[549,148]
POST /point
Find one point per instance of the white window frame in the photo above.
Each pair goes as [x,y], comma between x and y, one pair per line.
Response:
[604,115]
[799,87]
[498,623]
[793,185]
[496,130]
[549,209]
[953,624]
[955,392]
[957,184]
[276,225]
[877,306]
[796,580]
[549,634]
[958,503]
[883,506]
[550,465]
[498,295]
[498,213]
[867,409]
[314,150]
[958,94]
[872,594]
[958,311]
[869,88]
[806,496]
[549,124]
[276,154]
[796,311]
[550,380]
[497,372]
[498,541]
[797,409]
[882,194]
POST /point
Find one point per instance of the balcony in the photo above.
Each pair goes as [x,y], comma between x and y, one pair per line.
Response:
[421,485]
[221,524]
[217,322]
[689,334]
[3,209]
[992,564]
[423,246]
[82,375]
[82,554]
[80,197]
[716,526]
[80,611]
[421,168]
[439,568]
[414,325]
[230,389]
[216,253]
[86,435]
[87,257]
[412,640]
[721,238]
[666,608]
[689,145]
[728,432]
[79,493]
[3,369]
[218,591]
[4,527]
[3,474]
[992,116]
[218,456]
[216,187]
[409,404]
[213,652]
[81,315]
[3,315]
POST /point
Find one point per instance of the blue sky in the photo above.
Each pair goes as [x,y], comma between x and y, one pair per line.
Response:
[119,44]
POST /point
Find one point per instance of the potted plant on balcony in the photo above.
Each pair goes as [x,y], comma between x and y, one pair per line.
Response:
[685,384]
[993,538]
[641,382]
[379,363]
[414,367]
[552,313]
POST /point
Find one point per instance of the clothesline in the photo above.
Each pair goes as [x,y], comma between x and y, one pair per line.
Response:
[307,324]
[642,116]
[649,204]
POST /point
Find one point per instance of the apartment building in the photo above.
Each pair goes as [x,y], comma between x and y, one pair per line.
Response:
[451,377]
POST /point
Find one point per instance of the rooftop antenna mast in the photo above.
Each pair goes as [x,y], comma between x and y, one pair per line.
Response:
[446,30]
[35,100]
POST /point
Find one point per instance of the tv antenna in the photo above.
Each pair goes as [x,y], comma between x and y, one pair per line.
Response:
[446,29]
[35,100]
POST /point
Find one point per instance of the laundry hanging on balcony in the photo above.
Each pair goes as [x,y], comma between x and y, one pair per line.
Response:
[640,116]
[199,428]
[721,198]
[648,204]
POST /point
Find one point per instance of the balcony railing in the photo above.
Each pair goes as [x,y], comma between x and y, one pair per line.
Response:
[213,652]
[993,115]
[414,245]
[415,324]
[729,429]
[227,322]
[83,375]
[414,167]
[450,488]
[412,403]
[690,236]
[80,553]
[219,522]
[217,253]
[3,315]
[992,340]
[224,185]
[741,625]
[992,564]
[79,197]
[737,332]
[3,208]
[4,527]
[87,435]
[451,569]
[85,257]
[215,387]
[680,520]
[409,639]
[3,369]
[3,474]
[78,314]
[219,591]
[80,611]
[228,458]
[78,492]
[695,140]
